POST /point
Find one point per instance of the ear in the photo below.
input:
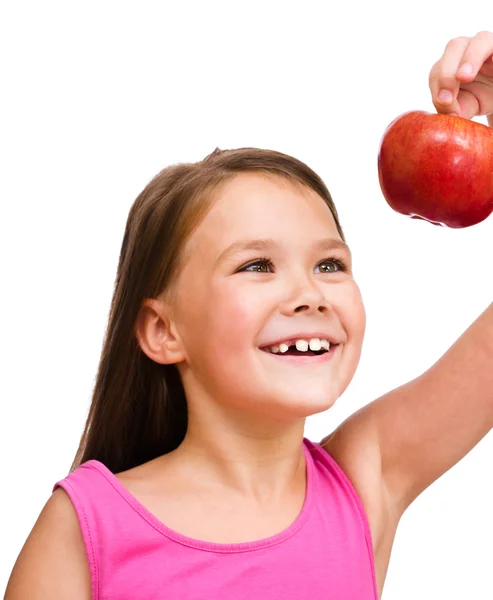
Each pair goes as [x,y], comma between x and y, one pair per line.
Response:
[156,333]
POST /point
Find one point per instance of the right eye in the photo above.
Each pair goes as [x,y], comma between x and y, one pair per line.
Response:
[259,265]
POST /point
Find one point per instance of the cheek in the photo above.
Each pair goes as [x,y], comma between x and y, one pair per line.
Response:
[237,315]
[223,319]
[353,314]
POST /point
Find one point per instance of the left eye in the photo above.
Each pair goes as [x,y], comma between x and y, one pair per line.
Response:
[340,266]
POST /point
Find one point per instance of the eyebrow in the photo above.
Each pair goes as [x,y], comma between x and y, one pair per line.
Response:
[325,244]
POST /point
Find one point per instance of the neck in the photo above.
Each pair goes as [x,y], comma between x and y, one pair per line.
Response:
[260,466]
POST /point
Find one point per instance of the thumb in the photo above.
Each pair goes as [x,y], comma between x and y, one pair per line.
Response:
[468,104]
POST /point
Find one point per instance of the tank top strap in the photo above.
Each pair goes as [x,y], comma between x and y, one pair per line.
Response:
[104,516]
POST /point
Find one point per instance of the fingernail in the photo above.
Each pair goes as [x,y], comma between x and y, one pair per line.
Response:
[466,69]
[445,97]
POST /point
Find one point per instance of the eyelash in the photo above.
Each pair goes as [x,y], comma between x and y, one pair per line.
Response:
[265,261]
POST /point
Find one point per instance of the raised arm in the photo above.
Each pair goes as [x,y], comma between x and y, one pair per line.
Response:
[426,426]
[414,434]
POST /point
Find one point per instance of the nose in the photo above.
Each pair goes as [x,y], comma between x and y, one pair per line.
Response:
[305,296]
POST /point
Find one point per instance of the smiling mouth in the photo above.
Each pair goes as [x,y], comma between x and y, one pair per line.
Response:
[295,356]
[293,351]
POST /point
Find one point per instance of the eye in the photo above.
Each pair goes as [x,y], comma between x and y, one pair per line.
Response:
[264,265]
[259,266]
[341,266]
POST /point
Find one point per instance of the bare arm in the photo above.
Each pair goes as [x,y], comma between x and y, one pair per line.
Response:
[426,426]
[52,564]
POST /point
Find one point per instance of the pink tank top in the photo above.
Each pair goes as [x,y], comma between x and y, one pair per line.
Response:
[325,554]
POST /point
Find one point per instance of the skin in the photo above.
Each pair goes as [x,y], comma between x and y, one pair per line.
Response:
[384,448]
[461,81]
[247,408]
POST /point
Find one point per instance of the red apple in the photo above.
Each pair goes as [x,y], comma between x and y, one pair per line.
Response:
[438,168]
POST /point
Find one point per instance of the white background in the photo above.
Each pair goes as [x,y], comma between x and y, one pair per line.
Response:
[97,97]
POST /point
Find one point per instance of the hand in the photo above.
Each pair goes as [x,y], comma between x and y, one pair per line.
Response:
[454,88]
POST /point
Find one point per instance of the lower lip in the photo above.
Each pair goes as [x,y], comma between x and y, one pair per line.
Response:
[304,360]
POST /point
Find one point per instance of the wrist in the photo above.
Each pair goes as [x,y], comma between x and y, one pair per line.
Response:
[490,120]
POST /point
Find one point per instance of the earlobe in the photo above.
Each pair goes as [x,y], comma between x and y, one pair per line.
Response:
[156,335]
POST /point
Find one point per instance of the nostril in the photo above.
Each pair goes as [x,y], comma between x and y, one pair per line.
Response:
[301,308]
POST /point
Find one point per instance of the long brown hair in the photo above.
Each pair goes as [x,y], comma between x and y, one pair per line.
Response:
[138,409]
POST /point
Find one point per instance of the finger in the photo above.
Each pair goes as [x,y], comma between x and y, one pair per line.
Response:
[443,80]
[447,108]
[482,90]
[468,103]
[478,51]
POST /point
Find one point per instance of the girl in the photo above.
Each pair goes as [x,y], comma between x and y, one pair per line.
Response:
[235,316]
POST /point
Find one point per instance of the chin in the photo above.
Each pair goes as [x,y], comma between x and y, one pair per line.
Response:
[314,405]
[306,402]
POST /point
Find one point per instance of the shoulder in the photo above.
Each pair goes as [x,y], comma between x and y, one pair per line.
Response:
[52,563]
[354,446]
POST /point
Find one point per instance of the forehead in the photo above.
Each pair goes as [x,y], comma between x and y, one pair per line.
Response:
[263,204]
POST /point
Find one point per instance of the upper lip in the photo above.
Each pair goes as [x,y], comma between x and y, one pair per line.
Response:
[291,339]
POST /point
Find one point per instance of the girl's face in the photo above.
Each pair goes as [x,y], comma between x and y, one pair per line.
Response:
[260,270]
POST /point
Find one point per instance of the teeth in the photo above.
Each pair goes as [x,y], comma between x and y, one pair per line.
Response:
[301,345]
[314,344]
